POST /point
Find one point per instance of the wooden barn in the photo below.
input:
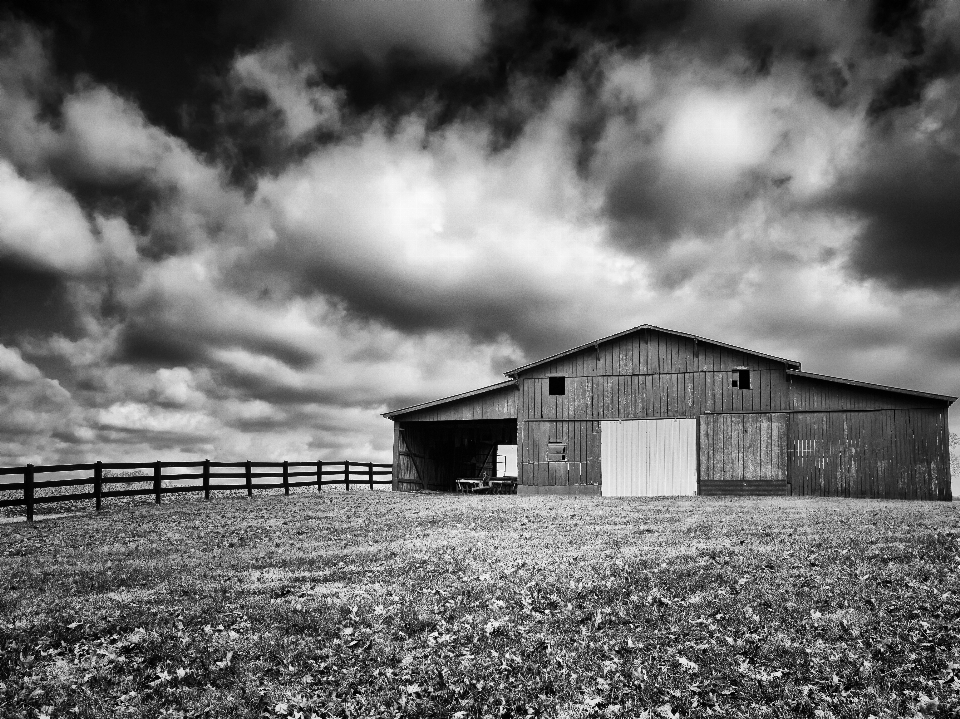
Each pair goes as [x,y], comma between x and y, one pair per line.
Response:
[652,412]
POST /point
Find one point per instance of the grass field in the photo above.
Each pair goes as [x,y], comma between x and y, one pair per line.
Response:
[373,604]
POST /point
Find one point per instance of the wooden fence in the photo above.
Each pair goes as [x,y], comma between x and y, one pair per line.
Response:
[283,475]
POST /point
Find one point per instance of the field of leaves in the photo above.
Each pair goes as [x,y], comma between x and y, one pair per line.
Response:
[374,604]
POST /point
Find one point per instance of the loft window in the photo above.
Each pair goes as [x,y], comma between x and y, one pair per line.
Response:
[557,385]
[741,378]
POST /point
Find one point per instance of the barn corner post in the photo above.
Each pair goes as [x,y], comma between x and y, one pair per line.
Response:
[395,483]
[947,483]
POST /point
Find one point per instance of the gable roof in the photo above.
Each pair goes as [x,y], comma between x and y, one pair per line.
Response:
[869,385]
[588,345]
[472,393]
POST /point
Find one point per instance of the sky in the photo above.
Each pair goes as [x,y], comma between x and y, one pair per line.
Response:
[242,230]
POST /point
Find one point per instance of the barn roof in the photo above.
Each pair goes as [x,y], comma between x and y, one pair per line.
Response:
[454,398]
[588,345]
[869,385]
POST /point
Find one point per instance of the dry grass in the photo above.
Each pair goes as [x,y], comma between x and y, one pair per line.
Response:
[378,604]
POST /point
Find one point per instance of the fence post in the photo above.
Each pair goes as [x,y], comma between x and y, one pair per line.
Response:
[320,475]
[206,479]
[249,481]
[346,473]
[370,471]
[156,481]
[286,479]
[28,490]
[98,483]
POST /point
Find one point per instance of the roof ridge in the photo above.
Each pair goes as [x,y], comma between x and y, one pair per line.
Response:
[517,370]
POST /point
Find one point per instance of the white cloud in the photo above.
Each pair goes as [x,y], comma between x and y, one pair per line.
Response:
[15,368]
[139,417]
[716,136]
[295,89]
[177,386]
[24,76]
[43,225]
[107,138]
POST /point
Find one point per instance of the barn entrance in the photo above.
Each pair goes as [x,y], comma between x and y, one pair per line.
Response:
[434,454]
[648,457]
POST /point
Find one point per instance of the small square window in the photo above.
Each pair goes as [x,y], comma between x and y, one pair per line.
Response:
[741,378]
[557,385]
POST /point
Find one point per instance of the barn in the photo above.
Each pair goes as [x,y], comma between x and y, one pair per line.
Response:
[655,412]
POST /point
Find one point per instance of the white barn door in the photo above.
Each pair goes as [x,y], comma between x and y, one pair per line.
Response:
[648,457]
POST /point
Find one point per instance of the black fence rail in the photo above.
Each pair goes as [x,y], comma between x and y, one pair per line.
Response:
[203,476]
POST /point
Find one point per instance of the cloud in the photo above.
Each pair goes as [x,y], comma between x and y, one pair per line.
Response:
[106,138]
[25,79]
[177,387]
[294,89]
[904,189]
[135,418]
[688,148]
[43,225]
[451,32]
[14,368]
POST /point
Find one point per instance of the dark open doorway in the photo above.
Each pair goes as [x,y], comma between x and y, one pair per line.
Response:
[433,455]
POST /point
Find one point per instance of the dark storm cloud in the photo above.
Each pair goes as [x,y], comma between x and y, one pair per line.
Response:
[911,213]
[145,345]
[485,308]
[153,339]
[650,205]
[34,301]
[160,53]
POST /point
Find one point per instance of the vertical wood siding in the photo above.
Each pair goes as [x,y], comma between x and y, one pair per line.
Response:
[685,394]
[582,464]
[895,453]
[495,404]
[807,393]
[747,450]
[651,352]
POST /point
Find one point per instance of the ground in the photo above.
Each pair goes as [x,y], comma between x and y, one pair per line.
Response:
[366,604]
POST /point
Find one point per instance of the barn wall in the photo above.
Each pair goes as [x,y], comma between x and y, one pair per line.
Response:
[581,465]
[413,465]
[495,404]
[686,394]
[743,453]
[807,393]
[650,352]
[645,375]
[895,453]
